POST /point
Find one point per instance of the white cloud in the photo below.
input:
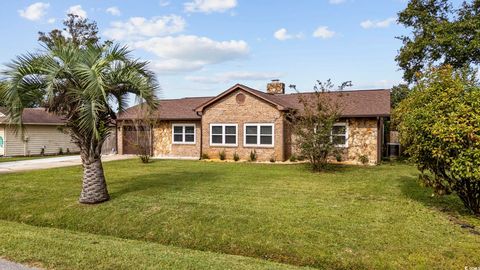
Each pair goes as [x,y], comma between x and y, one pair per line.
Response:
[323,32]
[208,6]
[138,27]
[187,53]
[282,34]
[336,2]
[115,11]
[235,76]
[52,20]
[77,10]
[35,11]
[163,3]
[378,24]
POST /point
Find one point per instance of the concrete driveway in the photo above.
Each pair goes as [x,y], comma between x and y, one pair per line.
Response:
[51,162]
[7,265]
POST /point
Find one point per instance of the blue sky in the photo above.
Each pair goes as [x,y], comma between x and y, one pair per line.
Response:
[202,47]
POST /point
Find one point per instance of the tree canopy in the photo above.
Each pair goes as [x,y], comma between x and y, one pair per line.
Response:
[80,80]
[441,34]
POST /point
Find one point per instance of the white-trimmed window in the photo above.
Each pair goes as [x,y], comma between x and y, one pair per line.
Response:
[183,133]
[340,134]
[223,134]
[258,135]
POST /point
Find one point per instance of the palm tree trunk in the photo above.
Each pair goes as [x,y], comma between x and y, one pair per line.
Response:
[94,187]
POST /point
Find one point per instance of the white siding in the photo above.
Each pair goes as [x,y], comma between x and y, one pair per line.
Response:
[38,136]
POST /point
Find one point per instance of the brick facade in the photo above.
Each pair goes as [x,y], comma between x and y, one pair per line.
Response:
[241,105]
[251,111]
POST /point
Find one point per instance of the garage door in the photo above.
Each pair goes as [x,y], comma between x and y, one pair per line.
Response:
[136,140]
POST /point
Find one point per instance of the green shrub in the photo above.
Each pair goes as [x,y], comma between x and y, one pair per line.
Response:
[293,158]
[222,155]
[236,157]
[253,155]
[338,157]
[363,159]
[205,156]
[272,159]
[60,151]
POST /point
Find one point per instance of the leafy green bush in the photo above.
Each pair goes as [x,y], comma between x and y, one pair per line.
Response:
[272,159]
[205,156]
[293,158]
[440,130]
[363,159]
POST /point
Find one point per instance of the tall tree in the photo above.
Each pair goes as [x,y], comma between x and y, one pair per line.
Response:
[439,125]
[81,81]
[398,93]
[79,31]
[441,34]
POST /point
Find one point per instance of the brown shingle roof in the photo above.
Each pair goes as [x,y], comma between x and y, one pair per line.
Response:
[170,109]
[356,103]
[35,116]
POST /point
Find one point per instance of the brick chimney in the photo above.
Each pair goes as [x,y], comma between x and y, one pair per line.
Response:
[275,87]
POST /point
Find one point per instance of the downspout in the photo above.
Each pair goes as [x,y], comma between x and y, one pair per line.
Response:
[201,134]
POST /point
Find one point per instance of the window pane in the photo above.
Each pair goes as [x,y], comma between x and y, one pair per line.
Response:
[189,129]
[189,138]
[339,130]
[230,139]
[177,138]
[230,130]
[266,130]
[339,140]
[266,140]
[251,130]
[251,139]
[216,129]
[178,129]
[216,138]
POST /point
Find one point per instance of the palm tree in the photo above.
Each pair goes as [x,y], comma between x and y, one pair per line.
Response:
[82,84]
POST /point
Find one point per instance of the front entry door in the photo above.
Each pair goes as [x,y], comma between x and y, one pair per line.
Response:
[2,142]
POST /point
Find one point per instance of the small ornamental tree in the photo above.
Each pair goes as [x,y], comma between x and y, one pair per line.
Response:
[312,125]
[439,125]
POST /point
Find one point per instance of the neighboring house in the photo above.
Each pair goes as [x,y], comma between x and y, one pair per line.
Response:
[43,130]
[243,119]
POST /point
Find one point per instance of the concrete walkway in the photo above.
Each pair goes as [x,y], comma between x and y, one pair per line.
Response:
[6,265]
[51,162]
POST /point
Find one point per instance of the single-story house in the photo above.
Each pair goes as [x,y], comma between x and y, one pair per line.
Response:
[241,119]
[43,130]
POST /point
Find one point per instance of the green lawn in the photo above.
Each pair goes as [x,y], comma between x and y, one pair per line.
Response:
[194,214]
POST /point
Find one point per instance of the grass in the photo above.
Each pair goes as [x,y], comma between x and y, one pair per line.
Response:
[31,245]
[353,217]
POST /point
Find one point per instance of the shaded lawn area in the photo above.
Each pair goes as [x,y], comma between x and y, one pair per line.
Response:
[353,217]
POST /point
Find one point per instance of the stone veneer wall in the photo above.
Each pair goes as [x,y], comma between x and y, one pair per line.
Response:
[251,110]
[362,140]
[162,141]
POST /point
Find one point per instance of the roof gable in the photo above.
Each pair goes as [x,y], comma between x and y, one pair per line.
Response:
[267,98]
